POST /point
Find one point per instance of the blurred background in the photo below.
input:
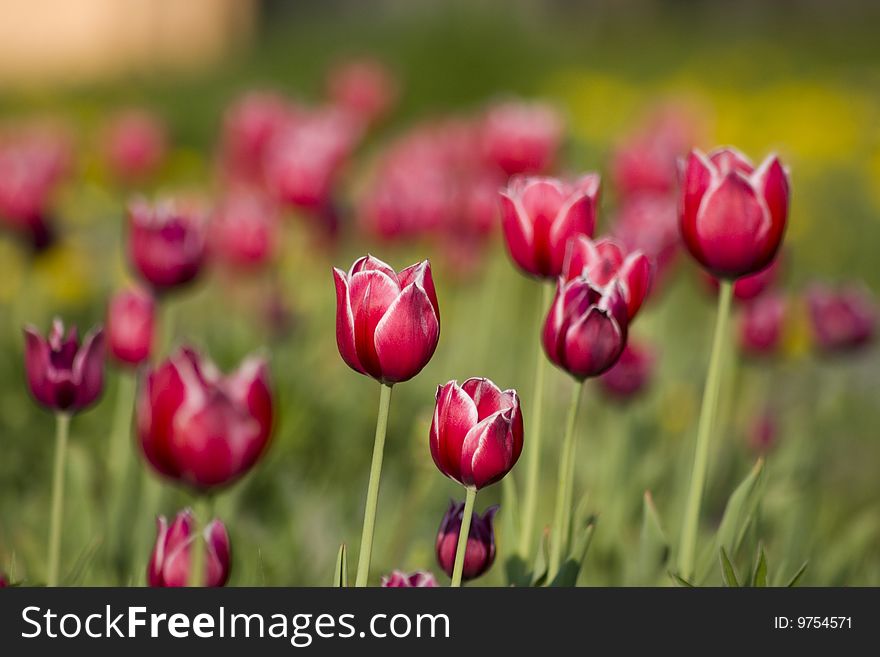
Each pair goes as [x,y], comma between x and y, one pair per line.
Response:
[623,80]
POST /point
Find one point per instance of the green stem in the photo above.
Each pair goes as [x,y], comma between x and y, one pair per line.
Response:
[119,440]
[533,455]
[62,430]
[204,509]
[688,546]
[565,485]
[461,548]
[121,475]
[363,569]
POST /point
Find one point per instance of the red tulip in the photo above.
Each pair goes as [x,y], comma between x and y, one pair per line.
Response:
[586,327]
[166,242]
[843,319]
[761,325]
[480,551]
[200,427]
[732,215]
[131,319]
[248,126]
[387,323]
[477,432]
[540,215]
[522,137]
[170,562]
[603,261]
[244,229]
[64,375]
[135,144]
[363,87]
[631,374]
[401,580]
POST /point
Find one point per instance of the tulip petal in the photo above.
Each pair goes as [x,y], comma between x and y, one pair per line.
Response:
[487,397]
[420,273]
[157,558]
[371,263]
[518,233]
[454,415]
[162,394]
[345,323]
[36,362]
[487,451]
[592,344]
[728,159]
[580,254]
[371,295]
[406,337]
[88,369]
[577,216]
[635,277]
[698,174]
[218,554]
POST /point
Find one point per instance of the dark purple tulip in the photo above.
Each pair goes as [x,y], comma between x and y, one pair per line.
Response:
[170,562]
[843,319]
[761,325]
[63,374]
[401,580]
[480,552]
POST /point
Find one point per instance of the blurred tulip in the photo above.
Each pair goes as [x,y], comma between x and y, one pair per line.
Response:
[401,580]
[749,287]
[763,433]
[64,375]
[131,320]
[4,581]
[842,319]
[761,325]
[248,126]
[135,143]
[387,323]
[480,551]
[732,215]
[170,562]
[631,374]
[244,229]
[363,87]
[586,327]
[522,137]
[202,428]
[603,261]
[476,433]
[166,242]
[540,215]
[649,223]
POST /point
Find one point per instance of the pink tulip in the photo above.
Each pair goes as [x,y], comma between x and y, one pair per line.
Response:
[244,229]
[135,143]
[131,320]
[649,223]
[249,125]
[842,319]
[761,325]
[401,580]
[170,562]
[521,137]
[363,87]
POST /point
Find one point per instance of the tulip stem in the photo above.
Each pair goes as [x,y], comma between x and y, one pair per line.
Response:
[363,569]
[688,545]
[533,466]
[565,486]
[204,509]
[62,430]
[463,532]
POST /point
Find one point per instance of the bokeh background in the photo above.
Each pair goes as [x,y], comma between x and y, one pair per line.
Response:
[800,78]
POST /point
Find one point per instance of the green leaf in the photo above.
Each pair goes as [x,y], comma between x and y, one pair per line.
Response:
[653,545]
[740,510]
[797,576]
[679,580]
[517,572]
[83,564]
[340,577]
[760,578]
[728,573]
[542,560]
[510,511]
[571,567]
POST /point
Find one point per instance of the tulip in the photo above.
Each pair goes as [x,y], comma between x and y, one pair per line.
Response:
[761,325]
[363,87]
[540,215]
[202,428]
[135,144]
[649,223]
[603,261]
[170,561]
[131,319]
[401,580]
[842,320]
[480,550]
[166,243]
[732,215]
[631,374]
[4,581]
[753,285]
[244,230]
[522,137]
[249,125]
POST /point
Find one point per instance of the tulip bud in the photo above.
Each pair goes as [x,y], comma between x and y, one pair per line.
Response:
[401,580]
[387,323]
[131,319]
[843,319]
[135,144]
[603,261]
[732,215]
[170,562]
[244,230]
[476,433]
[761,325]
[166,242]
[480,552]
[631,374]
[540,215]
[202,428]
[586,327]
[64,375]
[522,137]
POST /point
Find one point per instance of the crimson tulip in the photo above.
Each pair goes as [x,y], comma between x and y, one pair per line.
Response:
[477,432]
[249,124]
[401,580]
[387,323]
[202,428]
[135,143]
[64,375]
[170,561]
[842,319]
[540,215]
[761,325]
[733,215]
[480,551]
[131,323]
[631,374]
[244,229]
[521,137]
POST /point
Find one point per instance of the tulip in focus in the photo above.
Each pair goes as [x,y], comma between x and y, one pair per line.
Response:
[761,325]
[540,215]
[64,375]
[135,143]
[131,320]
[631,374]
[170,562]
[521,137]
[200,427]
[480,551]
[244,230]
[401,580]
[733,215]
[842,319]
[363,87]
[387,323]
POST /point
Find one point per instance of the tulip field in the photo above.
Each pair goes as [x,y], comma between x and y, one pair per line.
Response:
[360,307]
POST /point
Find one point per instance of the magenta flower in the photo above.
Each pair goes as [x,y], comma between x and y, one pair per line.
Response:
[631,374]
[244,229]
[842,319]
[249,124]
[170,562]
[363,87]
[64,375]
[521,137]
[480,551]
[401,580]
[649,223]
[761,325]
[135,143]
[131,324]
